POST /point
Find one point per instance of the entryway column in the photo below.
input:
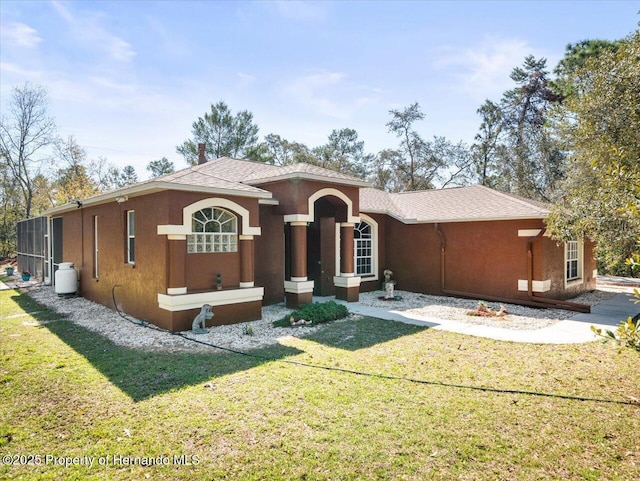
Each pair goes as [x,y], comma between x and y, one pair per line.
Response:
[246,261]
[176,272]
[347,284]
[298,290]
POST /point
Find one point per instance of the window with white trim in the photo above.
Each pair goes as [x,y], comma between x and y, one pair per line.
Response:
[213,230]
[363,249]
[95,246]
[131,237]
[573,260]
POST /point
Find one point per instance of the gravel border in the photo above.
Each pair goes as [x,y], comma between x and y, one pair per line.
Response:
[109,323]
[456,309]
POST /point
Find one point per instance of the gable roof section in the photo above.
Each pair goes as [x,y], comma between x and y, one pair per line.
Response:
[458,204]
[222,176]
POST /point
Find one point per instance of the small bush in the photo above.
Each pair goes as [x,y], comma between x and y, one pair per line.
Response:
[628,332]
[317,313]
[247,330]
[627,335]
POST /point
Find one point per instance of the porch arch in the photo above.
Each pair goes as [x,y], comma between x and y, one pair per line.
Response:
[327,192]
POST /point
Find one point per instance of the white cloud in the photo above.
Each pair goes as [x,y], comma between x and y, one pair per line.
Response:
[20,35]
[482,71]
[330,94]
[19,71]
[88,28]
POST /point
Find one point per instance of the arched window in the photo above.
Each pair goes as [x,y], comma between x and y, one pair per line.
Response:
[213,230]
[363,249]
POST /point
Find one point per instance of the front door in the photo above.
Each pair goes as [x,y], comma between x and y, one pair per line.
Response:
[321,256]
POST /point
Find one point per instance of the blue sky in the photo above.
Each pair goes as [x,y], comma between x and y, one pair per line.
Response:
[128,78]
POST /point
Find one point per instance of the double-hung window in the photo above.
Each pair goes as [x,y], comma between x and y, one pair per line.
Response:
[131,237]
[213,230]
[573,261]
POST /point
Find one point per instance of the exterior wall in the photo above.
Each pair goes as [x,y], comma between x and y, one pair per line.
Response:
[554,268]
[484,258]
[269,255]
[140,284]
[293,195]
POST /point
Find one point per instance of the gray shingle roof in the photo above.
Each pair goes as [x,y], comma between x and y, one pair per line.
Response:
[458,204]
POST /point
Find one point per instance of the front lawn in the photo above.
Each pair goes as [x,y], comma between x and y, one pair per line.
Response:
[68,392]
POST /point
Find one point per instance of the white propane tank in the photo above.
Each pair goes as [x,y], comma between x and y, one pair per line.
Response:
[66,279]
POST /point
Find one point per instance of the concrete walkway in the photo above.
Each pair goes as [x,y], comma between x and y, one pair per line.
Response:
[606,315]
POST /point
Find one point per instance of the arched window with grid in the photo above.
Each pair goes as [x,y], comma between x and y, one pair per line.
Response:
[213,230]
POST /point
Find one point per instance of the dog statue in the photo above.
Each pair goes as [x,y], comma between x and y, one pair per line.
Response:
[199,325]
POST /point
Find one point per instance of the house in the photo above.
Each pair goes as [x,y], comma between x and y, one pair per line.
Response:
[238,235]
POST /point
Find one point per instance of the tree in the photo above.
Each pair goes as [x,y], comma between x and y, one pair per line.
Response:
[488,152]
[279,151]
[412,146]
[128,176]
[25,136]
[602,190]
[160,167]
[72,181]
[343,152]
[420,164]
[225,134]
[534,163]
[575,58]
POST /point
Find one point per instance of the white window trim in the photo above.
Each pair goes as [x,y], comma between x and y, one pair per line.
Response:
[228,240]
[580,279]
[130,236]
[374,249]
[187,212]
[95,247]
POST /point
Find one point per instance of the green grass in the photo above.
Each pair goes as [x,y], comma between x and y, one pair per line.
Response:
[65,391]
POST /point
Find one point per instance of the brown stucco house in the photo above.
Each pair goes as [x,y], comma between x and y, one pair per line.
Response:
[238,235]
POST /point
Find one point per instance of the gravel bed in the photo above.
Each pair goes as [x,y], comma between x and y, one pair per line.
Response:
[108,323]
[457,309]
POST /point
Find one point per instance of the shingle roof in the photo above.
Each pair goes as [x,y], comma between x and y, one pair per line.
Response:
[458,204]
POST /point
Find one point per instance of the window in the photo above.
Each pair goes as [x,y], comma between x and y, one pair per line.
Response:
[95,246]
[131,237]
[573,260]
[363,249]
[214,230]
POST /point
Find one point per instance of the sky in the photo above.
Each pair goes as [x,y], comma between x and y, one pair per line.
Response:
[128,78]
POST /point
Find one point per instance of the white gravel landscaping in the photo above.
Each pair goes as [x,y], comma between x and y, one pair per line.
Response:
[110,324]
[456,309]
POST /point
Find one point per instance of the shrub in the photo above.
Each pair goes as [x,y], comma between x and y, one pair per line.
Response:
[627,334]
[317,313]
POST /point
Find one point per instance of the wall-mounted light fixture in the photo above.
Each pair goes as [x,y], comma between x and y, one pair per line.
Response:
[121,198]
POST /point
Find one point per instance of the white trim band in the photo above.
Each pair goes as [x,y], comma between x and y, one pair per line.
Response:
[298,287]
[341,281]
[244,285]
[528,232]
[299,279]
[536,286]
[176,291]
[214,298]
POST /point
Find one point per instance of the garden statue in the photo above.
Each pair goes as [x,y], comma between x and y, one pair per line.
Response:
[389,284]
[199,325]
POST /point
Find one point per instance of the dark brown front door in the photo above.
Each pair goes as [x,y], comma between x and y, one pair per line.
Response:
[321,260]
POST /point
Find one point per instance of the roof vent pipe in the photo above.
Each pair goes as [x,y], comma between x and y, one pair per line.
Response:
[201,157]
